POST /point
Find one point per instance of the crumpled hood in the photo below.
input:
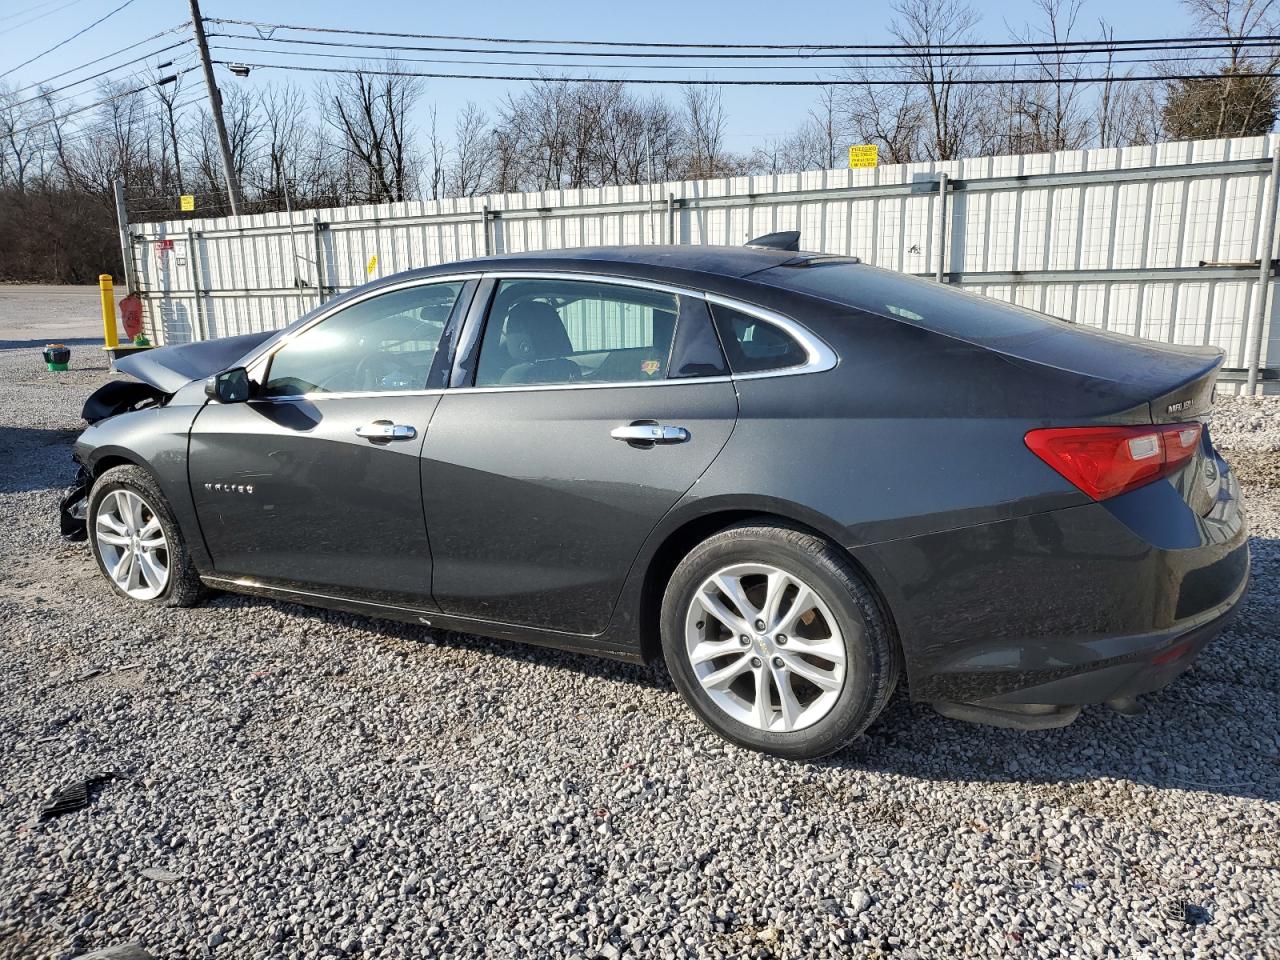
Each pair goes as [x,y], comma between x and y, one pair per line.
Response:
[170,368]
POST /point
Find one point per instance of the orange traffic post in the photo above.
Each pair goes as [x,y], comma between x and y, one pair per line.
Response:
[110,337]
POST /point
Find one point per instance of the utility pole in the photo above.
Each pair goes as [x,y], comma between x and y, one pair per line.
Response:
[215,100]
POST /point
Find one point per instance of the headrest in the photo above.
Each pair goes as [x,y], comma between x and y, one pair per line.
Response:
[535,332]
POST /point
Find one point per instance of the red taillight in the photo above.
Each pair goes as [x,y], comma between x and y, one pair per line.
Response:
[1106,461]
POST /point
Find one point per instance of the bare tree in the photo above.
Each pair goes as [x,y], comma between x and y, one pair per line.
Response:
[705,122]
[925,28]
[370,111]
[1239,96]
[473,147]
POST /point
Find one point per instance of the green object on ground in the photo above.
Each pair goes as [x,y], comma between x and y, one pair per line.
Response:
[56,357]
[141,340]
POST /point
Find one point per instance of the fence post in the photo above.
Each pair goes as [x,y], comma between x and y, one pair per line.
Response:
[940,230]
[1258,320]
[671,219]
[126,242]
[318,241]
[484,228]
[193,265]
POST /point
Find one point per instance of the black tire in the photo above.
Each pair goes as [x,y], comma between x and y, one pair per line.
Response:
[871,651]
[183,588]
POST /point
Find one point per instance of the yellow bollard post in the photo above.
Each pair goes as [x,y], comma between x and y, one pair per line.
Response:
[110,337]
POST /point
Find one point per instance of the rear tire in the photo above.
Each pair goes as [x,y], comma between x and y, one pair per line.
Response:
[136,542]
[761,607]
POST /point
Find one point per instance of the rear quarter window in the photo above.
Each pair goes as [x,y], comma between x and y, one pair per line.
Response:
[754,345]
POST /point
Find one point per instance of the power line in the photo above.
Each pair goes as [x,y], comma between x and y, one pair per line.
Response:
[26,10]
[47,13]
[105,56]
[63,43]
[1037,63]
[96,76]
[81,134]
[99,103]
[1062,44]
[877,52]
[550,78]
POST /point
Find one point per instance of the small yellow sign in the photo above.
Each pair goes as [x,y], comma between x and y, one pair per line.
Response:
[863,155]
[373,265]
[186,203]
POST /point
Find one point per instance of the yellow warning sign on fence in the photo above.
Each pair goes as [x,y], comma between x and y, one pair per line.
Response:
[186,203]
[863,155]
[373,265]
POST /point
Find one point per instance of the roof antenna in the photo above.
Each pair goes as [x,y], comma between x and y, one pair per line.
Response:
[783,240]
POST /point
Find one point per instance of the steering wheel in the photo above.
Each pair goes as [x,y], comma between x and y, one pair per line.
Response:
[371,369]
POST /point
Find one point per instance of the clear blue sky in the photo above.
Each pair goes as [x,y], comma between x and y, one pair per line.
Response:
[753,113]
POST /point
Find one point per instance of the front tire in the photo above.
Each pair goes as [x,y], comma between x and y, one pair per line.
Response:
[777,642]
[136,542]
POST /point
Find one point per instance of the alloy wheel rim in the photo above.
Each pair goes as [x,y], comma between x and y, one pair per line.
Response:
[132,545]
[765,647]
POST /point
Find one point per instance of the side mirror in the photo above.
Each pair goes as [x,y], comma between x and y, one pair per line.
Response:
[229,386]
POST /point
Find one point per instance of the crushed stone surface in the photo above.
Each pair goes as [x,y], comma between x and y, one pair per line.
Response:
[290,782]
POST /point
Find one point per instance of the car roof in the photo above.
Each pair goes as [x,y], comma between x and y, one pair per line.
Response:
[734,262]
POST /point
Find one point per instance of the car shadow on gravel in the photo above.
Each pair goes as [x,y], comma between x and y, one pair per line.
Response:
[43,456]
[1195,735]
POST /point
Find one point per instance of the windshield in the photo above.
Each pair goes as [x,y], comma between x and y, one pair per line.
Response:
[922,303]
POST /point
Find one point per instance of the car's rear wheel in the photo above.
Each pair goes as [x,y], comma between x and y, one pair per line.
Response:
[136,541]
[776,641]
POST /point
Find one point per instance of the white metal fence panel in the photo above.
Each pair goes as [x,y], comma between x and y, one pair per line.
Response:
[1159,241]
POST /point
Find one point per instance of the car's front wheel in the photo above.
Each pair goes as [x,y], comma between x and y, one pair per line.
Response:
[776,641]
[136,541]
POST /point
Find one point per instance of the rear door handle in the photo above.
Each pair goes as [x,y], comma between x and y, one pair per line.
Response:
[384,431]
[650,433]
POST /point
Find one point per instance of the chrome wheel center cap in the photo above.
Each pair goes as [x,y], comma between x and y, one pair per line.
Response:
[763,646]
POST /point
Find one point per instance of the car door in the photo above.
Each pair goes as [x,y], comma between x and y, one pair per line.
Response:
[564,440]
[313,484]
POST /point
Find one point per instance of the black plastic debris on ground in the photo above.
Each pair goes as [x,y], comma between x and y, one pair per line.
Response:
[73,796]
[1184,911]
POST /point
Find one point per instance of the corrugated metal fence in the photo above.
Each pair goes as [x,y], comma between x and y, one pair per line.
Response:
[1159,241]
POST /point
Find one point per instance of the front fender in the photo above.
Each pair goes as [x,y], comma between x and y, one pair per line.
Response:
[154,439]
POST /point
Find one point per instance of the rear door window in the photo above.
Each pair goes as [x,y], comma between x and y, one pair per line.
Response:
[553,331]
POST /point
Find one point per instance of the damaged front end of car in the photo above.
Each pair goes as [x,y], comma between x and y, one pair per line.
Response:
[159,376]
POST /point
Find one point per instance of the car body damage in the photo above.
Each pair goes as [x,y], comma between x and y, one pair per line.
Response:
[158,374]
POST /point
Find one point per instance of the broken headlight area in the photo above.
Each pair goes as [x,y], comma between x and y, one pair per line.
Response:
[73,508]
[120,396]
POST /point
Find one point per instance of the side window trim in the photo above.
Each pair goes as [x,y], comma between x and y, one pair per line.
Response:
[820,357]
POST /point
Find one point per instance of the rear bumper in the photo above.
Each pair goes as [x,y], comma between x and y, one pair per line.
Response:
[1088,604]
[1151,663]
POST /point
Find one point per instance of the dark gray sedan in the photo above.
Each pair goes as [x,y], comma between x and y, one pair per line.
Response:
[792,476]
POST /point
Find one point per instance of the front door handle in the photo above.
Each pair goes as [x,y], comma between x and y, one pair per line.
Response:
[648,432]
[384,431]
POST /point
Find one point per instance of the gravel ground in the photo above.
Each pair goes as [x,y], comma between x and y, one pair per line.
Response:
[294,783]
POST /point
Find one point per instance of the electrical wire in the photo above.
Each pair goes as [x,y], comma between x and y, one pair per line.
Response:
[96,127]
[894,53]
[551,78]
[26,10]
[96,76]
[1012,46]
[105,56]
[1037,63]
[63,43]
[47,13]
[99,103]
